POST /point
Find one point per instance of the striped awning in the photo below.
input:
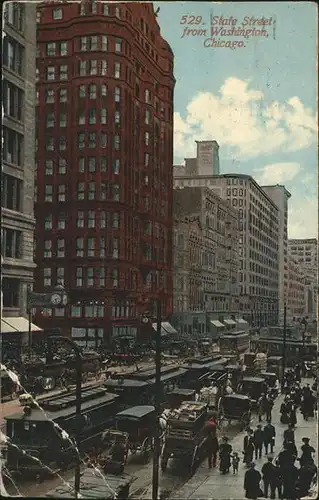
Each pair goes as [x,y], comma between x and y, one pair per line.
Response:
[216,323]
[229,322]
[19,324]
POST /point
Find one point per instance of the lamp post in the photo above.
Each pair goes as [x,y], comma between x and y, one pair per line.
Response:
[157,442]
[78,398]
[284,346]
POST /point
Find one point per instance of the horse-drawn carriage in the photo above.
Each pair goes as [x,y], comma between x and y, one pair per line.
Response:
[235,407]
[252,387]
[8,387]
[186,435]
[136,424]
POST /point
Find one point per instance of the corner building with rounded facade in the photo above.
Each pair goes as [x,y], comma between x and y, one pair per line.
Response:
[104,166]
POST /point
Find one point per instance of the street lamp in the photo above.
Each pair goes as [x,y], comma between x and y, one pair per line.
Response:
[284,347]
[78,398]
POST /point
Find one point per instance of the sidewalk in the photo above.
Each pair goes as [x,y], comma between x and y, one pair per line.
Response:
[212,485]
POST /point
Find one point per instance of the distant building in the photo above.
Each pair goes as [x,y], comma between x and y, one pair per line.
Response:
[295,291]
[18,162]
[208,265]
[258,241]
[205,163]
[305,252]
[280,197]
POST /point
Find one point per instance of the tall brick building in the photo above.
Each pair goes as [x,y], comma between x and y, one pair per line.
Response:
[104,165]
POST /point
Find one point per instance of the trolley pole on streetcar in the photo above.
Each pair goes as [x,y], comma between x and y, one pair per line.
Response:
[284,347]
[78,402]
[157,443]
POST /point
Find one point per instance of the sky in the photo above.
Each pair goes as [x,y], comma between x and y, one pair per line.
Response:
[257,98]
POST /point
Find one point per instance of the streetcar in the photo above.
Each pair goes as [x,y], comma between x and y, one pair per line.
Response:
[295,350]
[234,342]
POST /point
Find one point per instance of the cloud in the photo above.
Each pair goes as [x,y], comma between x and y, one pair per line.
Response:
[303,217]
[243,123]
[277,173]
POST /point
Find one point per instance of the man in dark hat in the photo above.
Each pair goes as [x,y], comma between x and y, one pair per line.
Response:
[251,483]
[289,434]
[258,441]
[212,446]
[225,450]
[307,451]
[272,478]
[249,447]
[269,437]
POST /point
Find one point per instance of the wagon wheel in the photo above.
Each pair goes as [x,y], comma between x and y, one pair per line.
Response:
[146,449]
[194,461]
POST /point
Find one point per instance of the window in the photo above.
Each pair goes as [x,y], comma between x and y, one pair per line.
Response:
[92,91]
[11,243]
[13,55]
[62,143]
[117,94]
[51,73]
[91,219]
[47,276]
[115,278]
[146,159]
[63,72]
[62,120]
[93,6]
[147,117]
[61,192]
[50,49]
[103,164]
[62,166]
[103,90]
[118,45]
[12,146]
[91,161]
[116,142]
[81,165]
[57,14]
[63,48]
[92,140]
[50,144]
[48,192]
[84,43]
[80,191]
[117,70]
[103,116]
[116,192]
[63,95]
[13,100]
[93,67]
[102,220]
[116,165]
[80,220]
[61,221]
[48,167]
[48,222]
[47,249]
[117,117]
[103,68]
[79,276]
[147,138]
[14,15]
[61,248]
[118,12]
[93,43]
[102,247]
[91,191]
[80,247]
[49,96]
[104,43]
[76,311]
[91,247]
[147,96]
[81,118]
[103,191]
[81,140]
[82,68]
[116,220]
[50,120]
[90,276]
[103,140]
[92,116]
[105,9]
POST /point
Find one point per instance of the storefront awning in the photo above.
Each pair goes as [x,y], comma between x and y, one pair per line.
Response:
[166,328]
[229,322]
[216,323]
[241,321]
[19,324]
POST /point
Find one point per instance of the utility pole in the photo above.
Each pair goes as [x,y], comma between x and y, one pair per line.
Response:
[158,399]
[284,345]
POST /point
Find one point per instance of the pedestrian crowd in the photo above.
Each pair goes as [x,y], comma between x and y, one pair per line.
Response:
[278,475]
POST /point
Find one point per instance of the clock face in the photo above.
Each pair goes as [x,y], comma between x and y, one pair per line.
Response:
[55,299]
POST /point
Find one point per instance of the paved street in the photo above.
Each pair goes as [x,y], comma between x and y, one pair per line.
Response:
[211,485]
